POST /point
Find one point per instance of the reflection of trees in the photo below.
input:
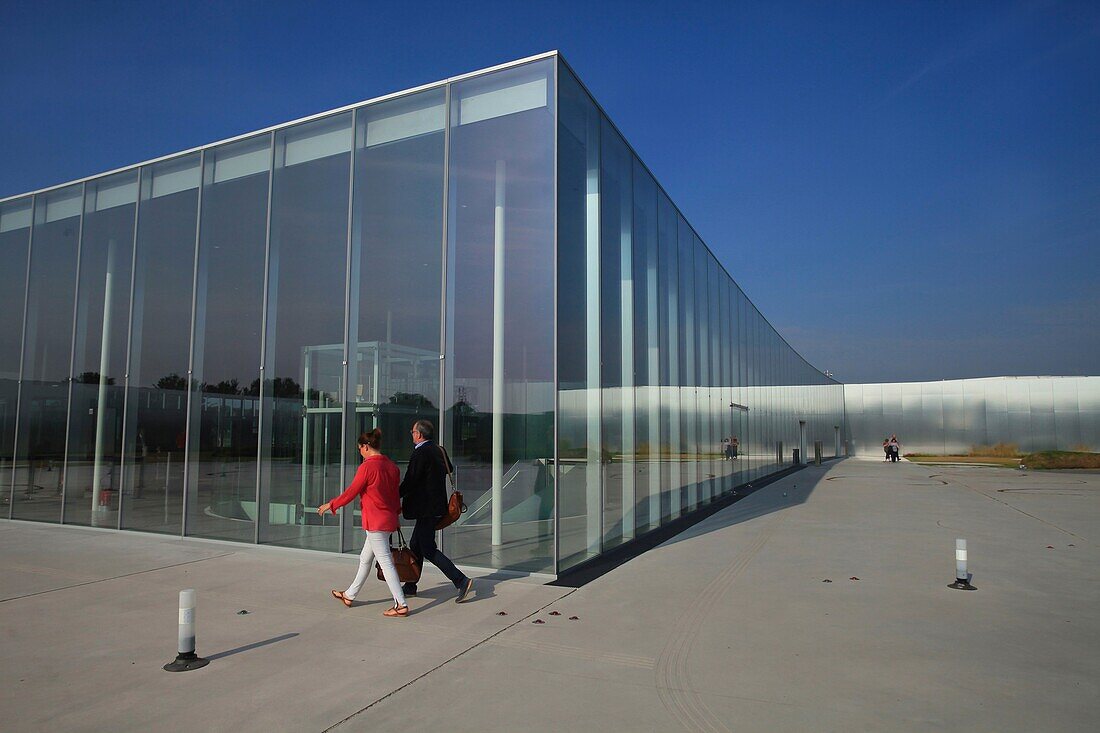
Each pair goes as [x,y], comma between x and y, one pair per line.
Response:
[172,381]
[411,399]
[226,386]
[91,378]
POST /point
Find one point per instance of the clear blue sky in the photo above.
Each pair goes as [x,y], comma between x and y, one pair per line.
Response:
[907,190]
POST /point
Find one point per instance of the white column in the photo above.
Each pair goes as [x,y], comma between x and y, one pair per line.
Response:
[498,357]
[626,375]
[594,457]
[99,512]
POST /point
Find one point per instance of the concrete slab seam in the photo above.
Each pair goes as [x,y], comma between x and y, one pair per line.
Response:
[445,662]
[116,577]
[1021,511]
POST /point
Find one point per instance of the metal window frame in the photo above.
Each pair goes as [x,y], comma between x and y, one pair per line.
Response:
[444,276]
[261,412]
[72,356]
[344,520]
[191,386]
[556,473]
[22,357]
[123,453]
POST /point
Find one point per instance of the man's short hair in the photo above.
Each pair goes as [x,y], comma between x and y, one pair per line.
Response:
[425,428]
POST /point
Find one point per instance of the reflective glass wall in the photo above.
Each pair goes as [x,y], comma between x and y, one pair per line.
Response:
[499,400]
[191,346]
[15,232]
[673,390]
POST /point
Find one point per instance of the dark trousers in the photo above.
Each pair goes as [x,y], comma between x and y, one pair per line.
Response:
[423,544]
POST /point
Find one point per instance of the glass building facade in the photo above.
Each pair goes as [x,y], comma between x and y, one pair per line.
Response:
[190,346]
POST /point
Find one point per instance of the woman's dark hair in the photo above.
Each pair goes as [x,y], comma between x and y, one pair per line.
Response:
[373,438]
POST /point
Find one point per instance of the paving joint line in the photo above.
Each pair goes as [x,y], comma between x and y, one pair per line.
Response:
[445,662]
[1021,511]
[116,577]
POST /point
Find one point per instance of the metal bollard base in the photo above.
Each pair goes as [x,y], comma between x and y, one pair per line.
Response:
[961,584]
[186,662]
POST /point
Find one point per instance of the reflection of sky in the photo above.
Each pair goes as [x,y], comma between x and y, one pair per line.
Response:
[888,182]
[523,141]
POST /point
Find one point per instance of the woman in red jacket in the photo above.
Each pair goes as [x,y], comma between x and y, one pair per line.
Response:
[376,484]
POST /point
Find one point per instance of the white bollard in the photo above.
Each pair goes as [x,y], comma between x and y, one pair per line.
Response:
[962,579]
[186,659]
[187,622]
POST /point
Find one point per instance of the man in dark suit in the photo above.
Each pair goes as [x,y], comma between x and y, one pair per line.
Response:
[424,499]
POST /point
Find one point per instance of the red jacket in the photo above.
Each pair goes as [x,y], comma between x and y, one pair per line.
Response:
[376,483]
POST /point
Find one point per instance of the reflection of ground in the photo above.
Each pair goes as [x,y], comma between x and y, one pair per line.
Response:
[223,504]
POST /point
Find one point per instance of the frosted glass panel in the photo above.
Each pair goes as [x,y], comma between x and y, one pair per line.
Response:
[15,216]
[498,97]
[317,140]
[111,192]
[173,177]
[402,119]
[240,160]
[61,205]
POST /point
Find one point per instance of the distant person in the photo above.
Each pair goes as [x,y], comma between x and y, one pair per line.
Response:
[424,498]
[727,449]
[895,449]
[376,484]
[885,450]
[735,445]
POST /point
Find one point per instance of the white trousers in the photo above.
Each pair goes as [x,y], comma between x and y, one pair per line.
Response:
[377,545]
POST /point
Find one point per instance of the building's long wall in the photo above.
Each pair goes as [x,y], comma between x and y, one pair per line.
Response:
[953,416]
[190,345]
[662,358]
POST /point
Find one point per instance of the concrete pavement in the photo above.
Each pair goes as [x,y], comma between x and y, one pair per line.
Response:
[728,626]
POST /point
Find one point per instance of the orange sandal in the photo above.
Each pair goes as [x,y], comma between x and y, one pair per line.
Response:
[339,595]
[396,611]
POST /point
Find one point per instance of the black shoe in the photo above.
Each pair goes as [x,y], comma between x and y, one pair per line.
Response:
[409,589]
[464,590]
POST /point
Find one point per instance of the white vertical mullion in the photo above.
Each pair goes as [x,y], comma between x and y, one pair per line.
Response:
[594,457]
[626,328]
[191,387]
[72,364]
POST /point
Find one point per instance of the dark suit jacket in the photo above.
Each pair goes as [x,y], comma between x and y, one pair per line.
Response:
[424,488]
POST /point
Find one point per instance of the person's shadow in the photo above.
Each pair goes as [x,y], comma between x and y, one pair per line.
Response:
[484,589]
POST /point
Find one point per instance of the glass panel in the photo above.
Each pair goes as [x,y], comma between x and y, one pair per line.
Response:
[229,296]
[704,449]
[15,228]
[40,435]
[689,370]
[93,466]
[578,324]
[727,332]
[156,407]
[715,385]
[669,299]
[500,350]
[647,347]
[302,428]
[616,348]
[397,253]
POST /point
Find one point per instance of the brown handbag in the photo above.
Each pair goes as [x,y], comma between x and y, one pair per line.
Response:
[406,562]
[455,506]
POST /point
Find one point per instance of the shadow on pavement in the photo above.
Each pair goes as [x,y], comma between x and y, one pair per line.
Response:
[250,647]
[692,525]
